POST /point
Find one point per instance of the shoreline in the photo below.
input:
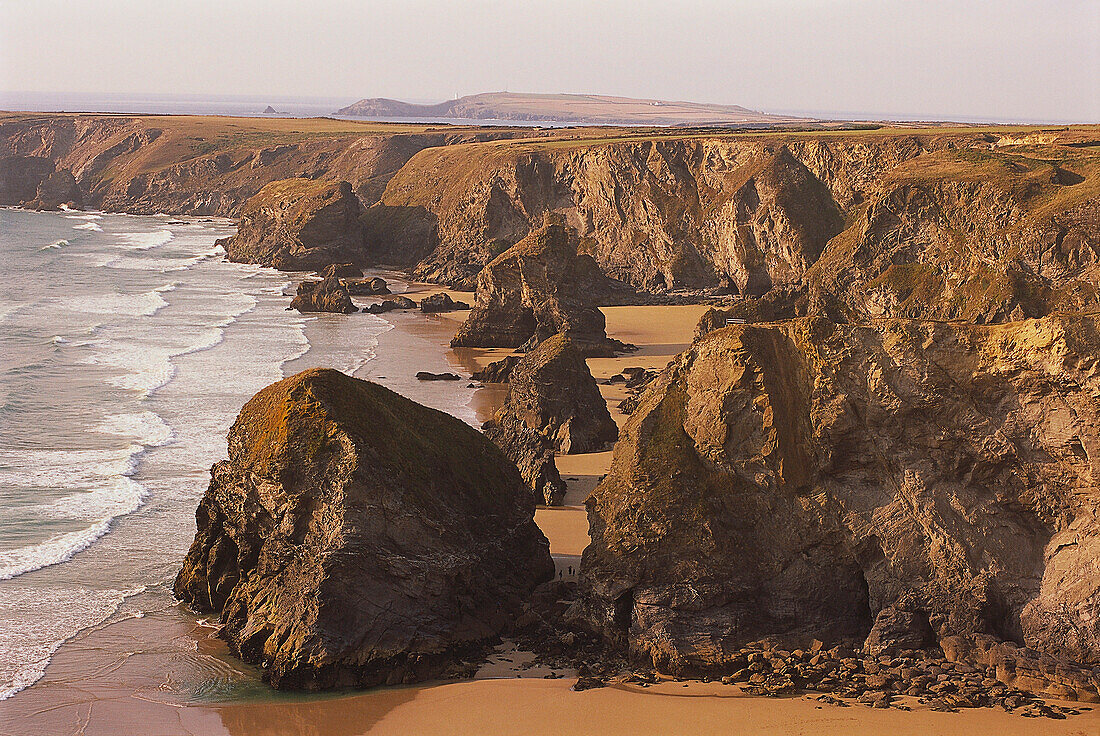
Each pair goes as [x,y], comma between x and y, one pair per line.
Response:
[131,674]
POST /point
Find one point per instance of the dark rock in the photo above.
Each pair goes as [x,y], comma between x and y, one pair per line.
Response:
[552,391]
[355,538]
[441,303]
[498,371]
[299,225]
[341,271]
[374,286]
[532,453]
[426,376]
[535,289]
[57,189]
[389,305]
[21,177]
[323,296]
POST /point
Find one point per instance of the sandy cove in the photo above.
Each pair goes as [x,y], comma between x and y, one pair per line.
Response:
[90,688]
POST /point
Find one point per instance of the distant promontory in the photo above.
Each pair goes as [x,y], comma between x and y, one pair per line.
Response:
[583,109]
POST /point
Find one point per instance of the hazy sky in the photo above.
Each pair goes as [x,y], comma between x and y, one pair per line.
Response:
[1016,59]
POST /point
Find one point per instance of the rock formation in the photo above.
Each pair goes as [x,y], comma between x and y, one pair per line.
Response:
[553,404]
[499,371]
[909,480]
[374,286]
[355,538]
[341,271]
[299,225]
[538,288]
[441,302]
[328,295]
[389,305]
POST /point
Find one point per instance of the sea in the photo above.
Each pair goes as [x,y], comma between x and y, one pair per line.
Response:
[129,345]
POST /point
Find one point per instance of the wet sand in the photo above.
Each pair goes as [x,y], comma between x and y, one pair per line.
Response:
[127,677]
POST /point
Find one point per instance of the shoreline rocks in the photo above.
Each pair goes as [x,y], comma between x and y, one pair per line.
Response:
[328,295]
[355,538]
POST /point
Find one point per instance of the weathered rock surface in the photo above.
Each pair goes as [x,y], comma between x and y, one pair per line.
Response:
[533,455]
[355,538]
[553,393]
[328,295]
[341,271]
[299,225]
[389,305]
[373,286]
[535,289]
[499,371]
[441,303]
[57,190]
[803,477]
[429,376]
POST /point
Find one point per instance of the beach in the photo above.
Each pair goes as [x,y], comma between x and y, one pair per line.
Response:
[165,671]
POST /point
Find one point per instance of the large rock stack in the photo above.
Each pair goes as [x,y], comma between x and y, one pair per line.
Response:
[355,538]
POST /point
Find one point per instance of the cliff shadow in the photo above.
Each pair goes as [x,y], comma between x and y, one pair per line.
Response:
[399,236]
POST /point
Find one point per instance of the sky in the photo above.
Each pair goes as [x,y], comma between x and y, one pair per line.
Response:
[1004,60]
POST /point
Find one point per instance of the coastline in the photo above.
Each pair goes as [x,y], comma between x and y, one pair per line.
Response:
[130,674]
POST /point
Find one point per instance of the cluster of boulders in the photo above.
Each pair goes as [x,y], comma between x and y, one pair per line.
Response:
[441,302]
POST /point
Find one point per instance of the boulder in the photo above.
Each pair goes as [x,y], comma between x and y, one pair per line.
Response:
[299,225]
[799,478]
[328,295]
[341,271]
[374,286]
[537,288]
[427,376]
[896,631]
[389,305]
[355,538]
[441,303]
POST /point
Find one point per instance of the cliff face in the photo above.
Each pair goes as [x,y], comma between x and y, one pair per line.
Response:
[206,166]
[943,225]
[299,225]
[355,538]
[806,477]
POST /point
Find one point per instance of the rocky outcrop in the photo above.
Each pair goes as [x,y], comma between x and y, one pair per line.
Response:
[441,302]
[389,305]
[341,271]
[533,454]
[328,295]
[373,286]
[807,479]
[20,178]
[355,538]
[499,371]
[537,288]
[553,393]
[553,404]
[299,225]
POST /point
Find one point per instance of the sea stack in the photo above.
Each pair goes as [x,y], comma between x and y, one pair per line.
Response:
[537,288]
[356,538]
[922,482]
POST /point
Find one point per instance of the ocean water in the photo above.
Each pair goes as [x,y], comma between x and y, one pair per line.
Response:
[129,347]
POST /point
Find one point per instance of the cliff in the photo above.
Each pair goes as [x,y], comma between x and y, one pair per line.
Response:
[356,538]
[806,478]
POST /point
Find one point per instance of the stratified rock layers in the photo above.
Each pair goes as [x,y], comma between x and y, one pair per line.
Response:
[354,537]
[801,477]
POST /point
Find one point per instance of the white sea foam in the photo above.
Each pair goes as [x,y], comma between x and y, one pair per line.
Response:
[89,216]
[56,244]
[94,227]
[145,304]
[145,427]
[146,241]
[29,637]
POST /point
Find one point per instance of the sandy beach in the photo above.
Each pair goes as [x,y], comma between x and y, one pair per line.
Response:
[165,673]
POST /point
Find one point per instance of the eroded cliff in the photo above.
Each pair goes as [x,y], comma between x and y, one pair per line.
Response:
[804,477]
